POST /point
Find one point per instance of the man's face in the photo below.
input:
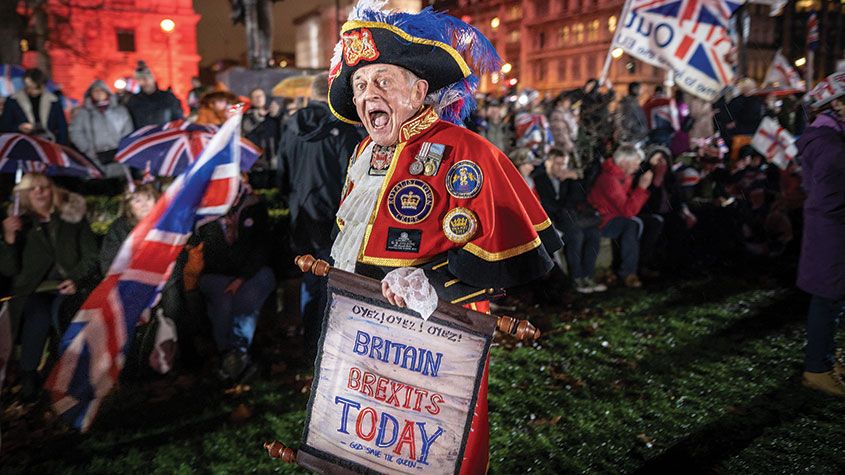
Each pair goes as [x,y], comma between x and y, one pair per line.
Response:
[559,164]
[258,99]
[99,95]
[31,87]
[385,97]
[629,166]
[147,83]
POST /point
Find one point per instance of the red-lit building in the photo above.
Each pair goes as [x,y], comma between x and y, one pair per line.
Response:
[104,39]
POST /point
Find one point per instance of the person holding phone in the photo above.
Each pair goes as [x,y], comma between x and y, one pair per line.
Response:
[50,252]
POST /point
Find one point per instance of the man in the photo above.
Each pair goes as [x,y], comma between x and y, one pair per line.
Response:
[261,126]
[424,192]
[152,106]
[313,158]
[618,205]
[631,121]
[594,115]
[35,110]
[197,90]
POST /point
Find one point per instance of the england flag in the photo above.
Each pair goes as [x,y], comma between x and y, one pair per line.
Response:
[94,345]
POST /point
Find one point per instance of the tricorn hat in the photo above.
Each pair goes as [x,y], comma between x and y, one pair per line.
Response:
[431,45]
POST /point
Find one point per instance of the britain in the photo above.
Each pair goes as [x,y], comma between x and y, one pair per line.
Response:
[419,360]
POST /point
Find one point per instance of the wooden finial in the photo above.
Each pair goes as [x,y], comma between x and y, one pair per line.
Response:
[521,329]
[278,450]
[308,263]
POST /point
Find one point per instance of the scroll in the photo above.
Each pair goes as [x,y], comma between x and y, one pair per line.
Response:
[392,393]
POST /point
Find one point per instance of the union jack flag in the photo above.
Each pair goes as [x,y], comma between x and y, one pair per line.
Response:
[168,149]
[93,347]
[690,37]
[813,32]
[532,130]
[11,79]
[34,154]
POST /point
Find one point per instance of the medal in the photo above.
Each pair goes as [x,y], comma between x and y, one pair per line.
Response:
[430,168]
[416,167]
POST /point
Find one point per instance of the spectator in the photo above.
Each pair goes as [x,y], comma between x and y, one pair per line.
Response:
[618,203]
[152,106]
[631,121]
[261,125]
[821,270]
[746,111]
[100,123]
[498,131]
[595,116]
[215,107]
[236,280]
[133,208]
[563,194]
[51,253]
[701,114]
[35,110]
[197,91]
[662,115]
[563,122]
[313,157]
[524,161]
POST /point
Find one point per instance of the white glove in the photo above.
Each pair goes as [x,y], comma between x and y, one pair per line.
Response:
[409,287]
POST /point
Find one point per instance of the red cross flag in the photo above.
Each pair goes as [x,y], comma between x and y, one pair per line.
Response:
[774,142]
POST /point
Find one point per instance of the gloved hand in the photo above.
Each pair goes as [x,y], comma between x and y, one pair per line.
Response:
[409,287]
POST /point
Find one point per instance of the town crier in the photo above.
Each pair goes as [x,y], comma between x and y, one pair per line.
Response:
[430,208]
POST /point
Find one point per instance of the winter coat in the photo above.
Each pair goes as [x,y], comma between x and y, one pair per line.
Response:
[64,246]
[821,269]
[565,206]
[613,196]
[92,130]
[263,131]
[154,109]
[631,120]
[251,249]
[746,112]
[117,233]
[313,157]
[19,109]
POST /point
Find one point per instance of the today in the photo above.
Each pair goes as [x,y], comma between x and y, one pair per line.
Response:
[369,425]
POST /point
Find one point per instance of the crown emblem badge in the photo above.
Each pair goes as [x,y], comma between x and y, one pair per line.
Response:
[460,225]
[464,179]
[410,201]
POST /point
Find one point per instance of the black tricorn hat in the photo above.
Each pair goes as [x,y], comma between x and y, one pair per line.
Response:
[421,43]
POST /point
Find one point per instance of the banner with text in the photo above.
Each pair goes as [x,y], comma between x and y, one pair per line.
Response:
[691,38]
[393,393]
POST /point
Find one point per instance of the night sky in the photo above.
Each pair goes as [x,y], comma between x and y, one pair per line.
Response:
[217,38]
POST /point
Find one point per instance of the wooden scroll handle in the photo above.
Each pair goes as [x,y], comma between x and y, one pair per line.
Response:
[278,450]
[308,263]
[521,329]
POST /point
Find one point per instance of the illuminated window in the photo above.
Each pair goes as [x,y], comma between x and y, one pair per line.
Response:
[513,36]
[578,30]
[126,41]
[515,12]
[564,35]
[593,33]
[611,24]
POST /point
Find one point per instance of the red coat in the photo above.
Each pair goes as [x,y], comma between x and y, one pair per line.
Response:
[612,195]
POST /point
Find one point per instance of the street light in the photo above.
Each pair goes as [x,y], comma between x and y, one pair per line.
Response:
[167,26]
[120,84]
[494,23]
[506,68]
[800,62]
[617,53]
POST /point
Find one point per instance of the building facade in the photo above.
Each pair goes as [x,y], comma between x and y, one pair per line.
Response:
[553,45]
[105,40]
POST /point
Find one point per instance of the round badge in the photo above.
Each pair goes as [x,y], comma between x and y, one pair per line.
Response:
[460,225]
[416,168]
[410,201]
[464,179]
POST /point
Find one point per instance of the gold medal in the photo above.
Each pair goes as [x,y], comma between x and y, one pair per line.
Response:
[460,225]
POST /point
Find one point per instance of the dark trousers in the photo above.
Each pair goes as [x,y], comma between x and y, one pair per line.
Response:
[312,303]
[626,232]
[40,313]
[581,247]
[652,227]
[822,319]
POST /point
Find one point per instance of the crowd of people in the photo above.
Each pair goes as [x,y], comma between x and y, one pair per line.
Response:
[669,182]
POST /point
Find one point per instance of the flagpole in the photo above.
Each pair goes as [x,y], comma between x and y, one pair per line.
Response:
[622,19]
[811,56]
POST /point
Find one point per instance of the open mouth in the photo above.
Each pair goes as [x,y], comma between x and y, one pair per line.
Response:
[378,118]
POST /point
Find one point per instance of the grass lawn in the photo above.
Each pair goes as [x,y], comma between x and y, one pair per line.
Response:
[693,375]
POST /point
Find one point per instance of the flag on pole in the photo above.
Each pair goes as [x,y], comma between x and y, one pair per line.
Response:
[691,38]
[782,75]
[93,347]
[813,32]
[774,142]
